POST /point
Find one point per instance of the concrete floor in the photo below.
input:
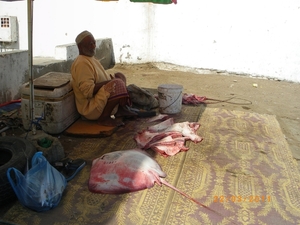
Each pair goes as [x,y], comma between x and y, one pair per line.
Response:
[280,98]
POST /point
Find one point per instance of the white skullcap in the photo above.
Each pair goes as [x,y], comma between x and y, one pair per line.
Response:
[82,35]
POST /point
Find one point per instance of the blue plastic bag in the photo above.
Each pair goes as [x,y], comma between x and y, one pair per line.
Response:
[42,186]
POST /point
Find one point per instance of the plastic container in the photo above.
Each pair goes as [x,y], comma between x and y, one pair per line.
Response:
[170,98]
[54,102]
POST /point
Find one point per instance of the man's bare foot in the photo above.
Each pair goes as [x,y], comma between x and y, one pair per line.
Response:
[122,112]
[109,122]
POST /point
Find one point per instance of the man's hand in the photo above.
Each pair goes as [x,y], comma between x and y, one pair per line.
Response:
[110,87]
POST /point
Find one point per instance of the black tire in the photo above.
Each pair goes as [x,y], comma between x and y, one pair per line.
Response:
[14,152]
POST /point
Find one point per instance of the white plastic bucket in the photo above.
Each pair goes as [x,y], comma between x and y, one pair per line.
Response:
[170,98]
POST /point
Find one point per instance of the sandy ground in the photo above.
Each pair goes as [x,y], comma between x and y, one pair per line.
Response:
[280,98]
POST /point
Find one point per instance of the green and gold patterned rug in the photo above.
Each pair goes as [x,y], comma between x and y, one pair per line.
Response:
[243,169]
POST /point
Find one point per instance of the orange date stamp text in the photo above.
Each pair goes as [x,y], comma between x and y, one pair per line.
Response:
[251,198]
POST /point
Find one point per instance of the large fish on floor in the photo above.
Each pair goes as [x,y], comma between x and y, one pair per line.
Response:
[128,171]
[168,138]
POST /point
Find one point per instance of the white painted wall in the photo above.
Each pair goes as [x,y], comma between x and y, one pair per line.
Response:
[257,37]
[13,66]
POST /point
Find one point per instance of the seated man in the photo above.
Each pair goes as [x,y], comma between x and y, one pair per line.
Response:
[97,94]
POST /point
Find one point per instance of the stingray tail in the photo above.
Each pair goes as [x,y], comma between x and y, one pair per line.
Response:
[189,197]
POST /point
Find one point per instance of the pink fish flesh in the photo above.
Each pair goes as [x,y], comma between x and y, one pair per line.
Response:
[169,146]
[192,99]
[168,138]
[127,171]
[124,171]
[145,138]
[158,117]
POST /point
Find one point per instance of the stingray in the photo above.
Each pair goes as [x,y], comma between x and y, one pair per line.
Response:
[128,171]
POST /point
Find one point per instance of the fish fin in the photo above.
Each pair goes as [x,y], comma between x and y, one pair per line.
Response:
[192,199]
